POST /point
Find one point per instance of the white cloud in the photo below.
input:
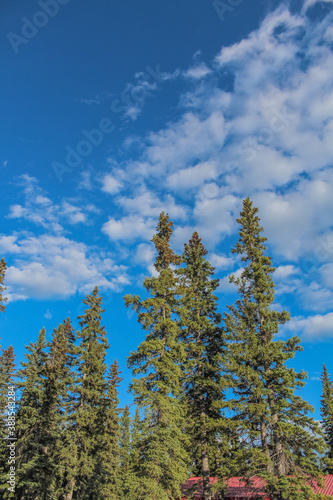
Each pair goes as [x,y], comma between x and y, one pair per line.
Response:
[314,297]
[312,328]
[225,286]
[144,253]
[39,209]
[56,267]
[197,72]
[310,3]
[8,244]
[293,221]
[129,228]
[326,272]
[146,203]
[221,261]
[283,272]
[111,184]
[181,143]
[48,314]
[191,177]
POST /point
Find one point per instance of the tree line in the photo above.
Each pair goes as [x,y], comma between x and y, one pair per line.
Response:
[214,394]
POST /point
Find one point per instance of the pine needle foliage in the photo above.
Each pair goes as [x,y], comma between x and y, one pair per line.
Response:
[278,436]
[110,485]
[205,346]
[92,392]
[37,471]
[327,418]
[163,459]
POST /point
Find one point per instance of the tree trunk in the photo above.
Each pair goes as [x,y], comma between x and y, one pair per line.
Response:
[205,468]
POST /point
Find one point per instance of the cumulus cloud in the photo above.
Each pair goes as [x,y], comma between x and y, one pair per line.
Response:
[310,3]
[111,184]
[129,228]
[48,267]
[39,209]
[191,177]
[197,72]
[221,261]
[312,328]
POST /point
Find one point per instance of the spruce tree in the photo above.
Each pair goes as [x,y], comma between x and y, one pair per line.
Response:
[36,470]
[110,485]
[3,268]
[327,419]
[125,448]
[277,433]
[92,392]
[61,378]
[205,346]
[163,460]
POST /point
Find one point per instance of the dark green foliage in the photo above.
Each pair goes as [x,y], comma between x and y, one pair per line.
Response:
[36,469]
[327,418]
[205,347]
[277,435]
[110,485]
[163,460]
[3,268]
[92,392]
[62,377]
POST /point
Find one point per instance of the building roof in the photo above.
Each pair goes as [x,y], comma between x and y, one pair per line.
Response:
[238,488]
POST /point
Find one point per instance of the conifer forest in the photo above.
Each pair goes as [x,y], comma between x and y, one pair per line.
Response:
[214,395]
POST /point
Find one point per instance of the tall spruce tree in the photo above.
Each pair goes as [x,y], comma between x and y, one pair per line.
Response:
[163,458]
[327,419]
[7,423]
[205,346]
[3,268]
[36,470]
[110,485]
[92,392]
[61,373]
[278,435]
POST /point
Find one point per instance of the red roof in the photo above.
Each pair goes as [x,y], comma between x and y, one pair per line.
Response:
[238,488]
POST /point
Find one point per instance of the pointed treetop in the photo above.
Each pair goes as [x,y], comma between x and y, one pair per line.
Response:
[250,233]
[161,239]
[195,244]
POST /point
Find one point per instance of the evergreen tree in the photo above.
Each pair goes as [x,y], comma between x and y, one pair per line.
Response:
[278,435]
[36,471]
[7,422]
[327,418]
[61,365]
[3,268]
[163,462]
[131,453]
[205,347]
[125,444]
[92,392]
[110,487]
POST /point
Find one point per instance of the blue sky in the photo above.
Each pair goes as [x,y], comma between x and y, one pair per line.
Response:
[114,111]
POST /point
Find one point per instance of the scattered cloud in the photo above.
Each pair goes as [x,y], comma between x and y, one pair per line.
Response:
[311,328]
[48,266]
[129,228]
